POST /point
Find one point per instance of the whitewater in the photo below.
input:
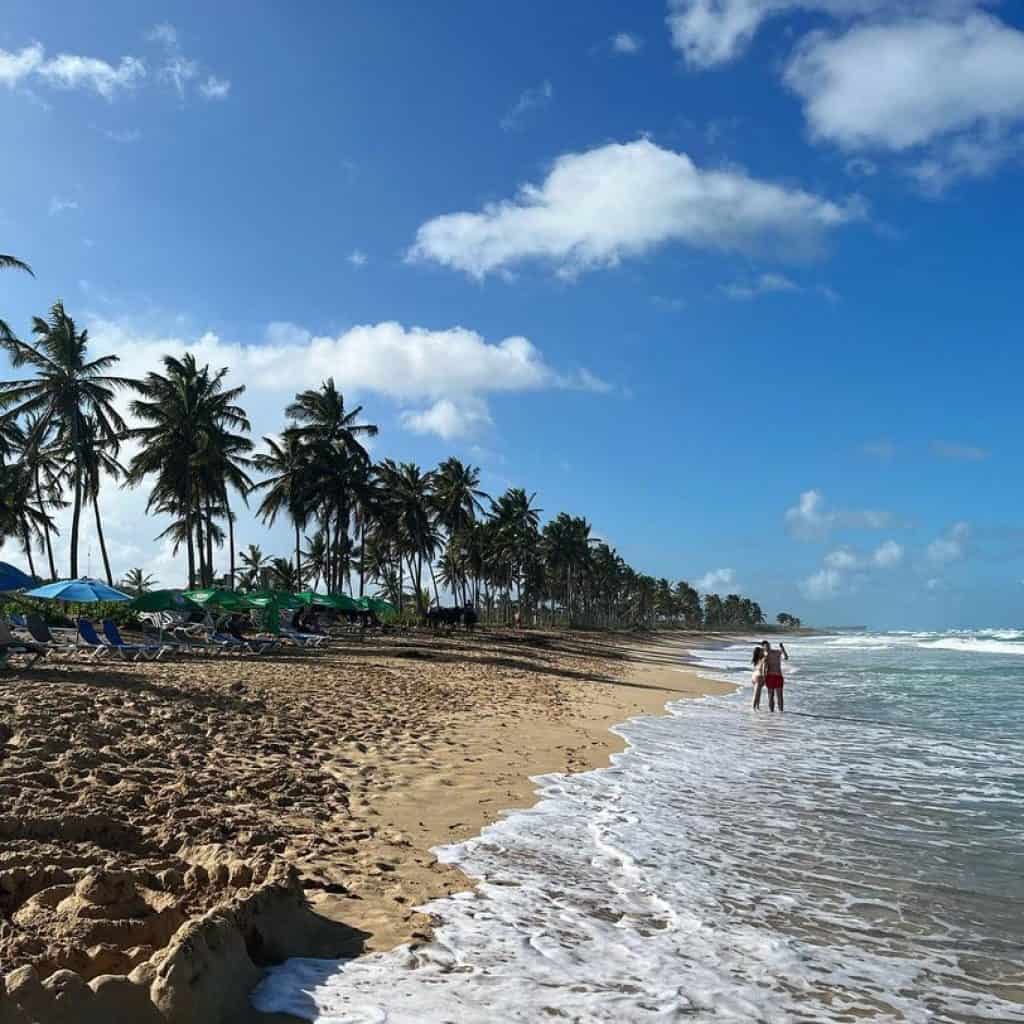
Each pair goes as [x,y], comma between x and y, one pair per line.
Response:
[860,857]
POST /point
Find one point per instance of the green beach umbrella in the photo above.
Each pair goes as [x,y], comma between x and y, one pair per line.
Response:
[227,599]
[164,601]
[340,602]
[377,604]
[280,598]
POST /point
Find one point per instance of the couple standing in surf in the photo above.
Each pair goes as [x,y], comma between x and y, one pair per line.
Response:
[768,673]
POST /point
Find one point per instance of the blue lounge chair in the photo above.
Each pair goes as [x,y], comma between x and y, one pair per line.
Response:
[88,639]
[152,651]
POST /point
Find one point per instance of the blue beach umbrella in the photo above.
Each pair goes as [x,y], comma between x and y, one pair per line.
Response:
[13,579]
[83,591]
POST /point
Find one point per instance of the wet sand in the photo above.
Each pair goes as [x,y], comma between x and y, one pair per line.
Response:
[165,824]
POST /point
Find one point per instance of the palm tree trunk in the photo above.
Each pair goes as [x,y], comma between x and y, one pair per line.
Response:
[231,544]
[362,555]
[298,558]
[200,546]
[191,554]
[103,543]
[28,548]
[76,517]
[209,540]
[46,530]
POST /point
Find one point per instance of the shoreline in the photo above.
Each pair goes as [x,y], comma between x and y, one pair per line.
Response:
[174,826]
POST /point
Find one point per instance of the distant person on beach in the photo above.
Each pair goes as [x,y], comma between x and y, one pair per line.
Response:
[773,673]
[757,676]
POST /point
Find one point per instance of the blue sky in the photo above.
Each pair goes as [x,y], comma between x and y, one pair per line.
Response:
[765,257]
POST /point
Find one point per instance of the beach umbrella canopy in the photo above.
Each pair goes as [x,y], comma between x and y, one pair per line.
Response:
[13,579]
[280,598]
[219,599]
[164,601]
[376,604]
[82,591]
[340,602]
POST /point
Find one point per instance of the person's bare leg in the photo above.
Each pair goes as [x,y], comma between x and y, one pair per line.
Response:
[757,696]
[771,698]
[780,700]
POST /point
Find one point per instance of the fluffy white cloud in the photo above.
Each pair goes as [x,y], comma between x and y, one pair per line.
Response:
[887,555]
[357,258]
[718,579]
[528,100]
[956,86]
[766,284]
[812,519]
[959,452]
[627,43]
[215,88]
[619,200]
[952,546]
[711,32]
[450,419]
[841,558]
[821,585]
[70,71]
[899,85]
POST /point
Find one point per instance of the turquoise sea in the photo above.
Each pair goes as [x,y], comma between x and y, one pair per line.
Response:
[859,858]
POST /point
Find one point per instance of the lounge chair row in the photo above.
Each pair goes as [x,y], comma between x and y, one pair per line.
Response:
[46,643]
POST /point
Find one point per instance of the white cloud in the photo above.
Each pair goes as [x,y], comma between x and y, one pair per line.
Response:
[821,585]
[596,208]
[861,167]
[841,558]
[16,66]
[711,32]
[959,452]
[887,555]
[766,284]
[952,546]
[179,71]
[529,99]
[627,43]
[58,205]
[449,419]
[955,86]
[357,258]
[164,33]
[215,88]
[68,71]
[811,519]
[718,579]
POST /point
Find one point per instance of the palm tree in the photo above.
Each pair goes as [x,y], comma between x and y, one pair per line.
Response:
[331,434]
[288,486]
[13,263]
[187,443]
[407,518]
[253,560]
[100,459]
[21,518]
[137,582]
[68,389]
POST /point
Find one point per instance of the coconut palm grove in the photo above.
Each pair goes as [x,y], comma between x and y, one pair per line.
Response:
[417,537]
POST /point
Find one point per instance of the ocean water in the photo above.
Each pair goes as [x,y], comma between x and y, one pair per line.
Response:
[859,858]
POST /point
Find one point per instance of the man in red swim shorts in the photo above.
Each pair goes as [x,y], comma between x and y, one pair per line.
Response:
[773,680]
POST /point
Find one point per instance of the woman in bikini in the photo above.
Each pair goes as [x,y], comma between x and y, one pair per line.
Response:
[757,676]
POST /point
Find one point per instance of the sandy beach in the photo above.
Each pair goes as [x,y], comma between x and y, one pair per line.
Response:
[169,829]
